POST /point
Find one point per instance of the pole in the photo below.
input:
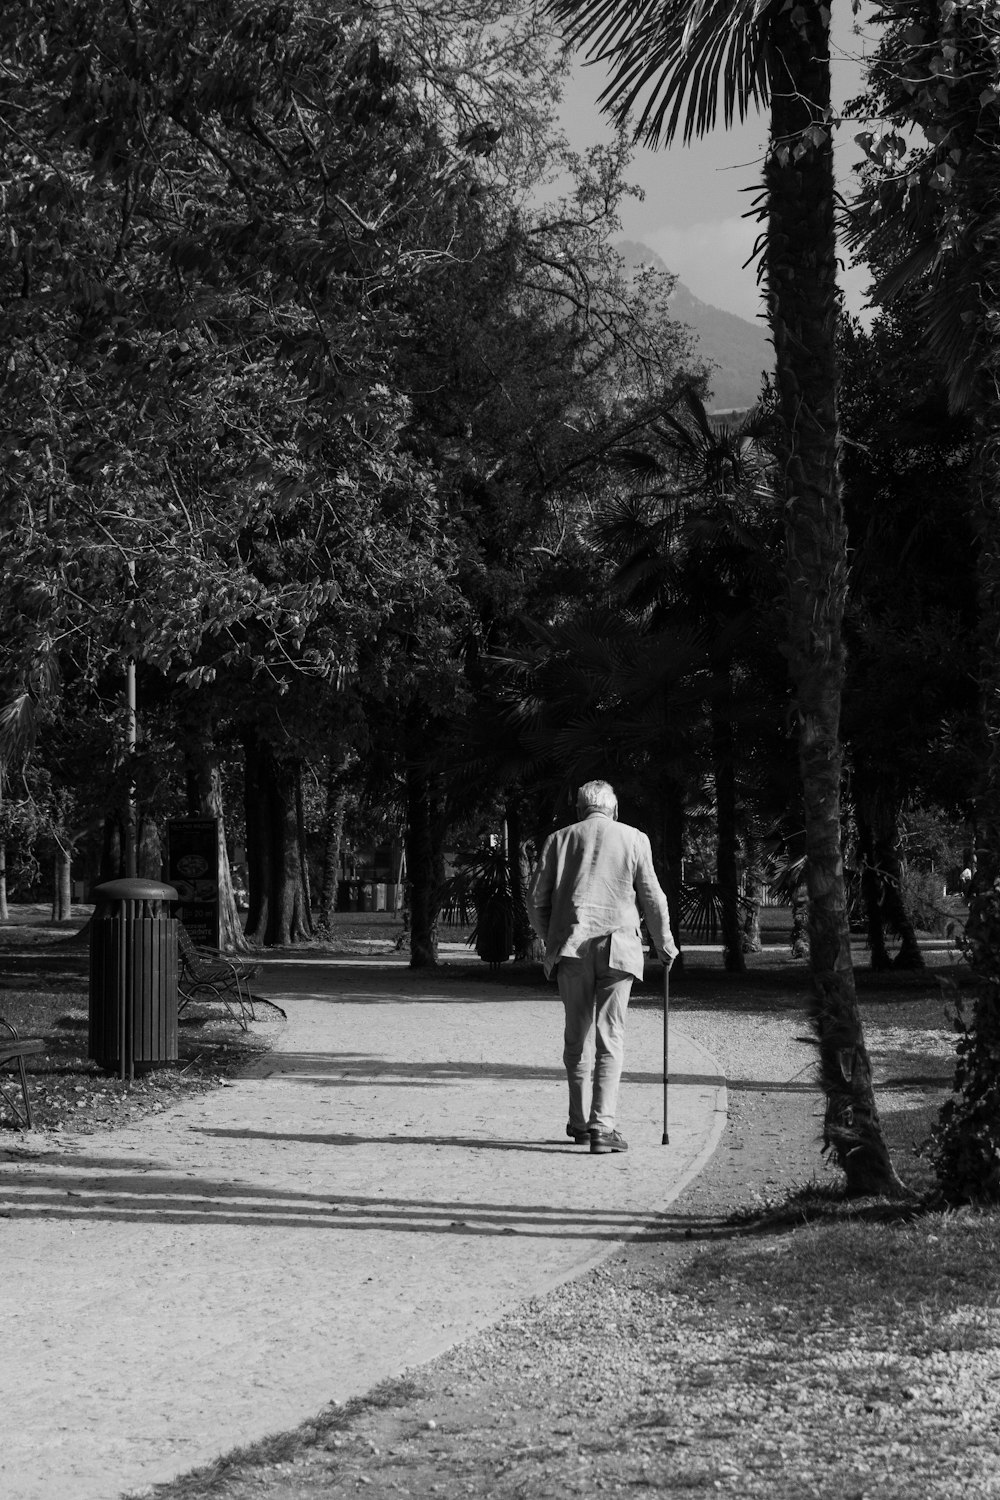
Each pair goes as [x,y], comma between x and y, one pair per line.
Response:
[132,821]
[131,740]
[129,911]
[666,1022]
[123,1038]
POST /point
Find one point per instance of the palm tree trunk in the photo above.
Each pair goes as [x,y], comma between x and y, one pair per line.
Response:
[798,938]
[801,266]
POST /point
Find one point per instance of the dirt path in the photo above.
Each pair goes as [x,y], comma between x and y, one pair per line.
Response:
[393,1177]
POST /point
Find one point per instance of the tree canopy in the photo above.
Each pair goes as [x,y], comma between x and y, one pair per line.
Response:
[328,404]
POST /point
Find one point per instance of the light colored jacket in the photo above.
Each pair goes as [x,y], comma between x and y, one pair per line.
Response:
[589,878]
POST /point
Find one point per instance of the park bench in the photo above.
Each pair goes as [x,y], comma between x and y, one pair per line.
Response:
[210,976]
[14,1049]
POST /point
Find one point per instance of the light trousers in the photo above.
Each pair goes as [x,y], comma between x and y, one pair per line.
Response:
[595,999]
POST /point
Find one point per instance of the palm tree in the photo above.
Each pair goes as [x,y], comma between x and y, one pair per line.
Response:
[681,56]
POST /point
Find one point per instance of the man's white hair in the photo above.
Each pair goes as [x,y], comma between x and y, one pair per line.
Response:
[597,796]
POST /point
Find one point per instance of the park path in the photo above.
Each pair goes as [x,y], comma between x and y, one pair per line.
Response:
[391,1177]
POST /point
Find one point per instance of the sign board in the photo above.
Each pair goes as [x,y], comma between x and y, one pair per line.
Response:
[193,868]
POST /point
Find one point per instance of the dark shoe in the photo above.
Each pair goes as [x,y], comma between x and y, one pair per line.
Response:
[581,1137]
[603,1141]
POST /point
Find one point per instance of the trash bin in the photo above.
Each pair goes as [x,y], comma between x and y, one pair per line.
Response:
[349,895]
[133,978]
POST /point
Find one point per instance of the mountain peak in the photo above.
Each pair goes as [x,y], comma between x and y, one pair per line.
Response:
[739,350]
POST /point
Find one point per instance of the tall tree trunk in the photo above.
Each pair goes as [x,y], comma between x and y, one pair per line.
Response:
[889,862]
[204,788]
[62,884]
[257,817]
[871,892]
[525,943]
[301,849]
[801,266]
[420,854]
[333,833]
[727,872]
[882,883]
[279,913]
[149,856]
[752,895]
[798,939]
[111,865]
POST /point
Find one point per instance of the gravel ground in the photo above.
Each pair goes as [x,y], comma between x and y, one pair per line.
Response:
[709,1357]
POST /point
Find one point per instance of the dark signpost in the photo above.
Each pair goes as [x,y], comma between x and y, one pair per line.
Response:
[193,868]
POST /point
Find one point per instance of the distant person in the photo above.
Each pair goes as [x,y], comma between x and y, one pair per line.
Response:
[582,904]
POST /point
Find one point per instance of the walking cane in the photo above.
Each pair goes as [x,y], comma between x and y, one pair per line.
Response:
[666,1021]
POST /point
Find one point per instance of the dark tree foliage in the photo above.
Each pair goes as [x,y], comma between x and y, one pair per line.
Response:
[926,218]
[910,719]
[217,216]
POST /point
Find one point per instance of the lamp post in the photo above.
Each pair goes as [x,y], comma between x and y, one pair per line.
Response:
[131,820]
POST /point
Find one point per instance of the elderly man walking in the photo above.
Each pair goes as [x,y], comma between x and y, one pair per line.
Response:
[582,903]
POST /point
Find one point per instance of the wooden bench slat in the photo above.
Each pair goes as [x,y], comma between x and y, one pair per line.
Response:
[13,1048]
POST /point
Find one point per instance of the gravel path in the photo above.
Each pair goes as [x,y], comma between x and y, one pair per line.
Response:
[391,1178]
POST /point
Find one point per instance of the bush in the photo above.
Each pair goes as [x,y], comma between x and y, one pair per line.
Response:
[965,1144]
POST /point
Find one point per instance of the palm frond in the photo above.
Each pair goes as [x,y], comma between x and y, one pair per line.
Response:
[683,57]
[638,463]
[623,525]
[701,909]
[648,580]
[18,726]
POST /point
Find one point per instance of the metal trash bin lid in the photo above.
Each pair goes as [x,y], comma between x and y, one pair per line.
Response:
[136,890]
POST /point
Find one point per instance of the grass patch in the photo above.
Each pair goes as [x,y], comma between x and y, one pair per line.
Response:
[274,1454]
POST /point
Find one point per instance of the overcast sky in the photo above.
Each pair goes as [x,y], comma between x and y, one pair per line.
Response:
[697,195]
